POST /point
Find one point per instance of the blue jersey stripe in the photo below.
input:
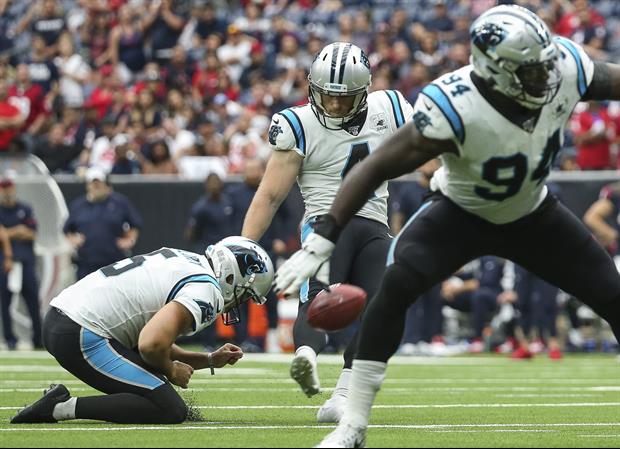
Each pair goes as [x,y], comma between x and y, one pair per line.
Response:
[442,101]
[390,259]
[306,230]
[204,278]
[99,354]
[298,129]
[396,108]
[582,85]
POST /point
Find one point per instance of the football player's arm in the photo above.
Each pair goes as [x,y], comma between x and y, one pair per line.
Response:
[605,83]
[596,219]
[227,355]
[157,338]
[281,174]
[403,152]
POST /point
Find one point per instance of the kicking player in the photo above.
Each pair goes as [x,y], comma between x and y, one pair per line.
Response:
[318,145]
[115,331]
[497,125]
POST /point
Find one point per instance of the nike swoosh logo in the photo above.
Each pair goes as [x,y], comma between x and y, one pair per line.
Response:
[428,106]
[276,121]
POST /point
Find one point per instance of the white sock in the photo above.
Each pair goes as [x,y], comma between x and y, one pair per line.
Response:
[342,387]
[65,410]
[306,351]
[366,380]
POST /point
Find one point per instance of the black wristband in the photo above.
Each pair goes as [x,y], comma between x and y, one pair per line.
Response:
[326,226]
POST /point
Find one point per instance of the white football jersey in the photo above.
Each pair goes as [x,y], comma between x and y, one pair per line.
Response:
[501,168]
[117,301]
[329,154]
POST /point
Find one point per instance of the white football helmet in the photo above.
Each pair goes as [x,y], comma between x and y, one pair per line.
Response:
[341,69]
[512,49]
[244,272]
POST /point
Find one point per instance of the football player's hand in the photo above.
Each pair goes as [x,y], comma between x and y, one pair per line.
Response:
[180,374]
[7,265]
[226,355]
[310,261]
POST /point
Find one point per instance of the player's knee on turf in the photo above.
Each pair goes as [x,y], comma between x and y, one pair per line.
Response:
[173,407]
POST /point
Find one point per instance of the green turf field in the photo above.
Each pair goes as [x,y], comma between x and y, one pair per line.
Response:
[450,402]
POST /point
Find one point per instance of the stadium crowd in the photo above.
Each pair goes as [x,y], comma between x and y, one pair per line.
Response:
[187,88]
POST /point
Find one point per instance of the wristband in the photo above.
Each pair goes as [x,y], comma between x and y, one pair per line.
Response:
[210,360]
[326,226]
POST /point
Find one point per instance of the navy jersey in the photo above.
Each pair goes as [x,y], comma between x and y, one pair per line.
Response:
[102,224]
[411,198]
[21,214]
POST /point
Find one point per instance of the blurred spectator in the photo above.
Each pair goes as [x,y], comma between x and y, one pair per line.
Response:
[46,19]
[158,160]
[125,162]
[74,72]
[30,99]
[127,40]
[205,20]
[42,69]
[603,218]
[212,216]
[235,53]
[11,119]
[103,226]
[164,23]
[20,225]
[479,291]
[179,72]
[590,126]
[102,154]
[179,141]
[95,37]
[55,153]
[585,26]
[538,314]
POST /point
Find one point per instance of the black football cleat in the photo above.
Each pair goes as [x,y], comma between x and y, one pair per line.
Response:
[42,411]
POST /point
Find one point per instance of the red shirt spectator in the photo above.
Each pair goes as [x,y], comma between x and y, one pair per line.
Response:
[583,25]
[11,118]
[591,128]
[29,97]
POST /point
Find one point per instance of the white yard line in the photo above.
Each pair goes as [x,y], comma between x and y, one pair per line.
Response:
[66,428]
[405,407]
[479,361]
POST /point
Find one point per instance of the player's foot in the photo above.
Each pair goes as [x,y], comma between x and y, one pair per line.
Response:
[332,410]
[522,354]
[42,411]
[304,371]
[345,436]
[555,354]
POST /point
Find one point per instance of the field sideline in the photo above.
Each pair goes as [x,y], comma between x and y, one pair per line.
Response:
[451,402]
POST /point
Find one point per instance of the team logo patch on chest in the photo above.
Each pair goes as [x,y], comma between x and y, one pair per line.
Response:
[379,122]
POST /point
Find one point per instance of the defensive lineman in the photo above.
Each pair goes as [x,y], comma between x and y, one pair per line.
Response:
[115,330]
[497,125]
[318,144]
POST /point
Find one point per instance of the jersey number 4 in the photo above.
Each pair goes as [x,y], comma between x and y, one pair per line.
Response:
[511,172]
[359,152]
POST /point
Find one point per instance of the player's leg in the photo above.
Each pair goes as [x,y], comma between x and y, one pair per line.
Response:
[546,314]
[7,324]
[135,395]
[369,242]
[30,292]
[556,246]
[308,341]
[428,250]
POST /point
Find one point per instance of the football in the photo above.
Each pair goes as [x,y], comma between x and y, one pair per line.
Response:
[335,309]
